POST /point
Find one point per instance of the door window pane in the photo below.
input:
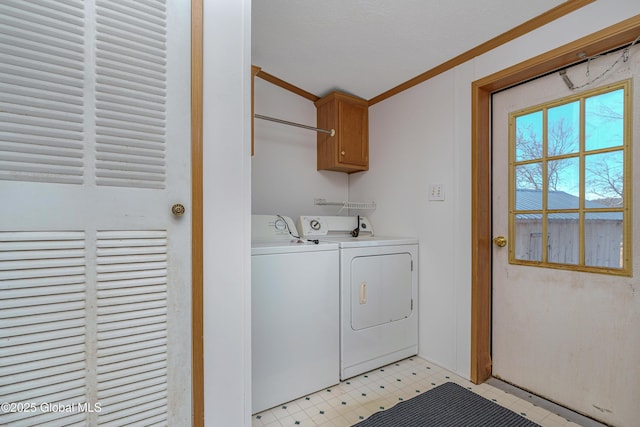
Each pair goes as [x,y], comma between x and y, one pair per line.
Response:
[603,239]
[529,136]
[528,240]
[528,200]
[604,115]
[563,129]
[604,178]
[529,176]
[563,183]
[563,243]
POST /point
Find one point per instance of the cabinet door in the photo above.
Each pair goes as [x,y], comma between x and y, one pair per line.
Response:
[348,150]
[353,134]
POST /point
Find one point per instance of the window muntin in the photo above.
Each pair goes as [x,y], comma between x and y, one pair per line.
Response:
[569,174]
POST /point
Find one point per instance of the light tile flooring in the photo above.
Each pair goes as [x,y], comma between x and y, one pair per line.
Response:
[354,400]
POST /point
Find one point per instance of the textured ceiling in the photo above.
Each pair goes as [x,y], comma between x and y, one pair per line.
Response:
[366,47]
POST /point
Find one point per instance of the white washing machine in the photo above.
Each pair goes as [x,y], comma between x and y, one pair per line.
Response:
[378,292]
[294,313]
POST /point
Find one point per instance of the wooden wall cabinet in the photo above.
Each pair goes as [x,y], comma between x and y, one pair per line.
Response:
[348,150]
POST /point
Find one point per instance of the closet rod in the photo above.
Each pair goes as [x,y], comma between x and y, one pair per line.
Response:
[331,132]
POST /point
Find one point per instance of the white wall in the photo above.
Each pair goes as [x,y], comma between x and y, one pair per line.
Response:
[227,202]
[284,176]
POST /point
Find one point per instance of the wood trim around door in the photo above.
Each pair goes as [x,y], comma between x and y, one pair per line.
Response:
[197,328]
[605,40]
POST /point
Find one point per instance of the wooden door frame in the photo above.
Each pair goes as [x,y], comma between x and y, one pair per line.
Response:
[197,262]
[607,39]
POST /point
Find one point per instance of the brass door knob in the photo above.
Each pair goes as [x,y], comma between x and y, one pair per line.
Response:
[342,153]
[177,209]
[500,241]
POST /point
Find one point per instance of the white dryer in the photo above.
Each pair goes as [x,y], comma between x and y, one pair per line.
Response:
[294,313]
[378,292]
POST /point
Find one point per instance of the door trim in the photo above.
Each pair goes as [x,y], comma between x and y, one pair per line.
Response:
[197,328]
[601,41]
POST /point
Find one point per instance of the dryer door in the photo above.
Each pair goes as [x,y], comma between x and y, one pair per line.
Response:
[380,289]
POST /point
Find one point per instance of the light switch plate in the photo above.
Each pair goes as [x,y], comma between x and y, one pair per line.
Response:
[436,192]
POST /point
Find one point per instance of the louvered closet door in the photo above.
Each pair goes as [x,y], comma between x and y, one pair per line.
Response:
[94,269]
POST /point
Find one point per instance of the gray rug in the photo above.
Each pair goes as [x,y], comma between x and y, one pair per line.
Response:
[448,405]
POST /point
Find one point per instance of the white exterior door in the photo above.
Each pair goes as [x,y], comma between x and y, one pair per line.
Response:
[94,268]
[569,336]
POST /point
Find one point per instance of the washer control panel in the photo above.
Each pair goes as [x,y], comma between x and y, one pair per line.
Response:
[272,227]
[333,226]
[312,226]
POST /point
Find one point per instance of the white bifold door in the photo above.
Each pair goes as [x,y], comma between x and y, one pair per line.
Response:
[94,266]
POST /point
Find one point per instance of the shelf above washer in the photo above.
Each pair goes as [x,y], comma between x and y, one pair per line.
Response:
[346,205]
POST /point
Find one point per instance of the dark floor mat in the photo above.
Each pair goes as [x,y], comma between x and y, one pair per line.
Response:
[448,405]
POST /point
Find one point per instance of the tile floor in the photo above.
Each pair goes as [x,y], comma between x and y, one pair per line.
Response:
[354,400]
